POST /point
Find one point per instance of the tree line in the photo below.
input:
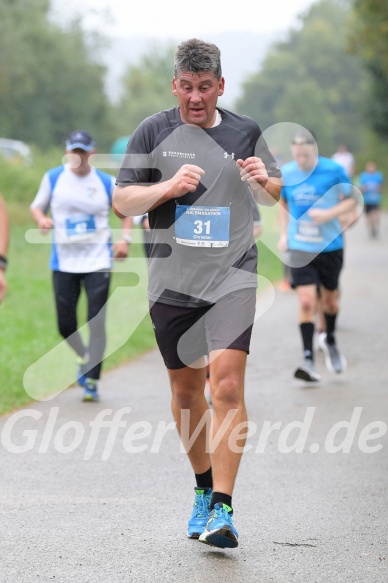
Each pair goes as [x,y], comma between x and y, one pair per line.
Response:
[330,74]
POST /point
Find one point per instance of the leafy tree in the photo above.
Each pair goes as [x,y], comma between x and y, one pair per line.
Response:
[369,39]
[311,80]
[49,83]
[147,88]
[370,34]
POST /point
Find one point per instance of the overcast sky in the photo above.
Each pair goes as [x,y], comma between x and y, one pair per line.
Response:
[177,19]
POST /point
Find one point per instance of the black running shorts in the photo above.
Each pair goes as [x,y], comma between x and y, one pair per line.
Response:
[368,208]
[310,269]
[186,334]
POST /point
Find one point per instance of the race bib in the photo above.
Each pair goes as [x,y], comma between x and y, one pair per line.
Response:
[202,226]
[80,228]
[308,232]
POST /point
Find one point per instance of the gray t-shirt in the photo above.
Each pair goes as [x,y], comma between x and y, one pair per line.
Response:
[202,245]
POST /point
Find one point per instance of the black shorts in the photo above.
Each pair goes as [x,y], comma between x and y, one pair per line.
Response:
[186,334]
[323,269]
[368,208]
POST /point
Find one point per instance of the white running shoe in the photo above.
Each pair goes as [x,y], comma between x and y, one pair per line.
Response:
[334,360]
[307,372]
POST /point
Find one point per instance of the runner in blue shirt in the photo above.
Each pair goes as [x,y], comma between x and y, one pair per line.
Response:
[371,183]
[316,192]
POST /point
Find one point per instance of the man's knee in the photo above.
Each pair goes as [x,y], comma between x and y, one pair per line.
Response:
[66,328]
[330,301]
[187,393]
[307,303]
[331,304]
[307,299]
[228,391]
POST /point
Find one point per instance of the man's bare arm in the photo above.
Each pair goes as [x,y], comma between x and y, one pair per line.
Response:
[134,200]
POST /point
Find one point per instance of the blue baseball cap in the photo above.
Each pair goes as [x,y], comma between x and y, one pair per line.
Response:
[80,139]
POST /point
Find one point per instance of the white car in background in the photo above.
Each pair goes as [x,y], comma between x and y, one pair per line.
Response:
[15,151]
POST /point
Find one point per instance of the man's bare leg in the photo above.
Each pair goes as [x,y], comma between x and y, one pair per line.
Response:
[227,392]
[187,387]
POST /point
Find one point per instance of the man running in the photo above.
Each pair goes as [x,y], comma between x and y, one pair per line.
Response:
[371,183]
[79,198]
[316,192]
[194,168]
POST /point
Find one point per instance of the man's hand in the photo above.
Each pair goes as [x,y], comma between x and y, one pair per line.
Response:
[120,249]
[185,180]
[283,243]
[45,224]
[253,170]
[265,190]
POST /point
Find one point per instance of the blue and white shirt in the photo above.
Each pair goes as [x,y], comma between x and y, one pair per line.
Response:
[324,187]
[80,207]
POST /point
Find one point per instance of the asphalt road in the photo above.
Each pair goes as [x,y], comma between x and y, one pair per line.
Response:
[92,504]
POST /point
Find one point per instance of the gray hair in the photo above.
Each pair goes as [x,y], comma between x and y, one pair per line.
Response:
[196,55]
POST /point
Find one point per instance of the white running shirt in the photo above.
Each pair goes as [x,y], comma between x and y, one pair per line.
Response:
[80,209]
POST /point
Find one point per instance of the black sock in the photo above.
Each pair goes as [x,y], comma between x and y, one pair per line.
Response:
[205,480]
[330,327]
[307,331]
[220,498]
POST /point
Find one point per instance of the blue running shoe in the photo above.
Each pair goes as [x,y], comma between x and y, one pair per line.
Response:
[81,376]
[219,530]
[200,514]
[90,390]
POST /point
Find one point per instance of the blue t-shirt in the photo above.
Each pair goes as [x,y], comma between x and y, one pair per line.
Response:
[324,187]
[371,181]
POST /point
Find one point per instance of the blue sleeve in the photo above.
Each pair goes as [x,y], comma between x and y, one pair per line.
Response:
[53,175]
[108,182]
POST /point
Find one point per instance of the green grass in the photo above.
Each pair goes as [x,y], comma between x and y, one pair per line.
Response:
[270,266]
[28,325]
